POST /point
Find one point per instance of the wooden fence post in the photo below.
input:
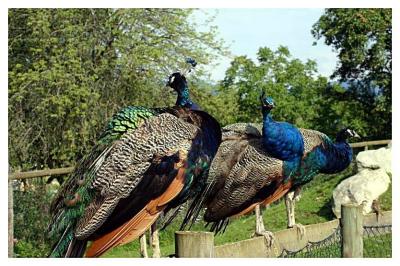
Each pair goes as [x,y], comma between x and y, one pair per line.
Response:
[10,219]
[352,228]
[194,244]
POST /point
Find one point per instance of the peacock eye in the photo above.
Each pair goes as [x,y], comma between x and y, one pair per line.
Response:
[172,79]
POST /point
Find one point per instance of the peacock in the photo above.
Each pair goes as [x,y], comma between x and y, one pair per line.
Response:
[245,173]
[144,162]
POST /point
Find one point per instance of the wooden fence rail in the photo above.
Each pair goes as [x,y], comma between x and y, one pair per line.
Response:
[67,170]
[41,173]
[370,143]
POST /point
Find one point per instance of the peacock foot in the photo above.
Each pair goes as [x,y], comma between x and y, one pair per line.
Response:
[301,230]
[297,197]
[268,236]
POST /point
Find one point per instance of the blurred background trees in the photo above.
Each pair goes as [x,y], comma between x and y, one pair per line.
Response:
[363,39]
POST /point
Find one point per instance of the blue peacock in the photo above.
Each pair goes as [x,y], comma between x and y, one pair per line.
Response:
[147,160]
[281,140]
[255,165]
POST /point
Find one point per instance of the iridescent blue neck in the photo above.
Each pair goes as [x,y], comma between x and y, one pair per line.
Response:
[267,118]
[338,157]
[183,99]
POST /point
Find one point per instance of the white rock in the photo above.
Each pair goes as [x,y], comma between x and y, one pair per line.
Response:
[361,188]
[374,159]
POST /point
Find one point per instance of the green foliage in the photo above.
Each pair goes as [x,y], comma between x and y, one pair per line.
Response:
[31,219]
[221,104]
[26,249]
[71,69]
[363,40]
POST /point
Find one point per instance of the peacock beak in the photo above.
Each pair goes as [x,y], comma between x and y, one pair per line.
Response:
[170,81]
[356,135]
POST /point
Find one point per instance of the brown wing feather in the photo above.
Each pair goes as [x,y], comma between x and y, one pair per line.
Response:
[140,222]
[239,187]
[278,193]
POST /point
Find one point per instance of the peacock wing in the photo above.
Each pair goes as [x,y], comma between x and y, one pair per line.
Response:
[242,130]
[127,163]
[246,182]
[124,225]
[312,139]
[235,139]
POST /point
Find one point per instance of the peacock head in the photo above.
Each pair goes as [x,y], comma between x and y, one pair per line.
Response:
[346,133]
[267,103]
[177,81]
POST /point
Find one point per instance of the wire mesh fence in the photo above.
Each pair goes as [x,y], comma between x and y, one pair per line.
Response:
[377,241]
[330,247]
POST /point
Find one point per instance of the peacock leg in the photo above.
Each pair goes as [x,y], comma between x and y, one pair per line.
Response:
[143,246]
[290,199]
[260,229]
[155,243]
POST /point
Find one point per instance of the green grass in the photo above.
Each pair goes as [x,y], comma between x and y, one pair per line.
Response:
[378,246]
[315,206]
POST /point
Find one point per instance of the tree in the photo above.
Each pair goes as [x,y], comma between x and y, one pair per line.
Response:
[71,69]
[294,85]
[363,40]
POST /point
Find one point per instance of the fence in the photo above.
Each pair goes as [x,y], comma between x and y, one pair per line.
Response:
[354,235]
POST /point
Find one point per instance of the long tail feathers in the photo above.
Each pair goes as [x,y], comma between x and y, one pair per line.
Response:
[195,207]
[68,246]
[219,226]
[76,249]
[140,222]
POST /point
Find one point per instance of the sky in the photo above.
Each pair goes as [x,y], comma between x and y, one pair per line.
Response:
[246,30]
